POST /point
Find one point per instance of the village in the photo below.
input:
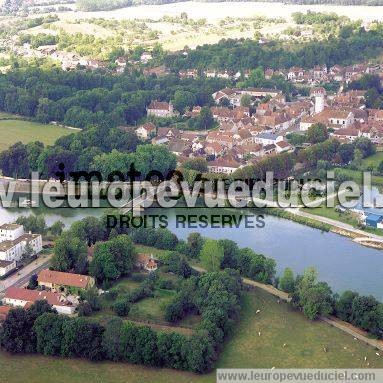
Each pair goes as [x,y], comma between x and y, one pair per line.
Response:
[243,137]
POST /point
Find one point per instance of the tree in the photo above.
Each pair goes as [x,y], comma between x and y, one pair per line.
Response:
[149,158]
[357,161]
[200,353]
[286,281]
[32,223]
[317,300]
[89,229]
[113,258]
[246,100]
[317,133]
[195,242]
[82,339]
[122,307]
[111,340]
[84,309]
[365,146]
[70,253]
[17,330]
[211,255]
[183,99]
[205,119]
[33,282]
[49,331]
[91,296]
[343,306]
[57,228]
[199,164]
[230,254]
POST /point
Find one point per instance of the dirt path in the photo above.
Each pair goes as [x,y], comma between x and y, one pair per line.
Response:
[332,321]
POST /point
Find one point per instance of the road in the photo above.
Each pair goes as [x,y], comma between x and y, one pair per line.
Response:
[338,224]
[20,278]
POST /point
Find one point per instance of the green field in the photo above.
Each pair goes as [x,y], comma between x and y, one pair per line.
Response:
[12,131]
[150,310]
[373,160]
[278,324]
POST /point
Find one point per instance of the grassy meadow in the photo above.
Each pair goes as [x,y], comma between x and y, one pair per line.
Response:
[12,131]
[278,323]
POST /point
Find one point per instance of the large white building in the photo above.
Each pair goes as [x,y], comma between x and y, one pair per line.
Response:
[10,231]
[14,241]
[160,109]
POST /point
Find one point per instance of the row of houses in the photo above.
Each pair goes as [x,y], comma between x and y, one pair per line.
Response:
[61,289]
[313,76]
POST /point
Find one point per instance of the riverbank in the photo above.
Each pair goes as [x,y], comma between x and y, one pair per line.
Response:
[333,321]
[359,236]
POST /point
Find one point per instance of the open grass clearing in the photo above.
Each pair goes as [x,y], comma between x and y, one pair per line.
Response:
[12,131]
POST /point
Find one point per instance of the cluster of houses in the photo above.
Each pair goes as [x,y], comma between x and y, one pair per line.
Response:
[313,77]
[71,61]
[346,116]
[241,136]
[14,244]
[244,136]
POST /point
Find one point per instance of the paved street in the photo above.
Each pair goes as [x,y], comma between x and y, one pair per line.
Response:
[21,277]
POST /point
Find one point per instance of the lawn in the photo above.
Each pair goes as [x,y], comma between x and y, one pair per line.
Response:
[150,310]
[151,250]
[357,176]
[278,324]
[329,212]
[373,160]
[12,131]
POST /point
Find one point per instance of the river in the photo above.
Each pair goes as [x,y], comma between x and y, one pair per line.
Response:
[339,261]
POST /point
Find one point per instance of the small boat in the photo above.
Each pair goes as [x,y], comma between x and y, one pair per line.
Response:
[28,203]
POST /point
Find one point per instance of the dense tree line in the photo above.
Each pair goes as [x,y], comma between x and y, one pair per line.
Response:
[351,45]
[315,298]
[97,149]
[83,98]
[373,87]
[215,295]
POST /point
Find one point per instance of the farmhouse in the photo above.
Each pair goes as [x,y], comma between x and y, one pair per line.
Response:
[146,262]
[146,131]
[18,297]
[60,281]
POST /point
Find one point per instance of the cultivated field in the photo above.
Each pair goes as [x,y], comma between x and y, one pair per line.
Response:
[12,131]
[214,11]
[278,324]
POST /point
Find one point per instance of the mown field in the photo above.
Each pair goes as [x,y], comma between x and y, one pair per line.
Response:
[14,130]
[278,323]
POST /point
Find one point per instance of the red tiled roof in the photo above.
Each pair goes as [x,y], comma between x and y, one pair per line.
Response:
[34,295]
[65,279]
[159,105]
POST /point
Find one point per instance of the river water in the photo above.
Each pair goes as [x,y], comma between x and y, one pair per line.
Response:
[339,261]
